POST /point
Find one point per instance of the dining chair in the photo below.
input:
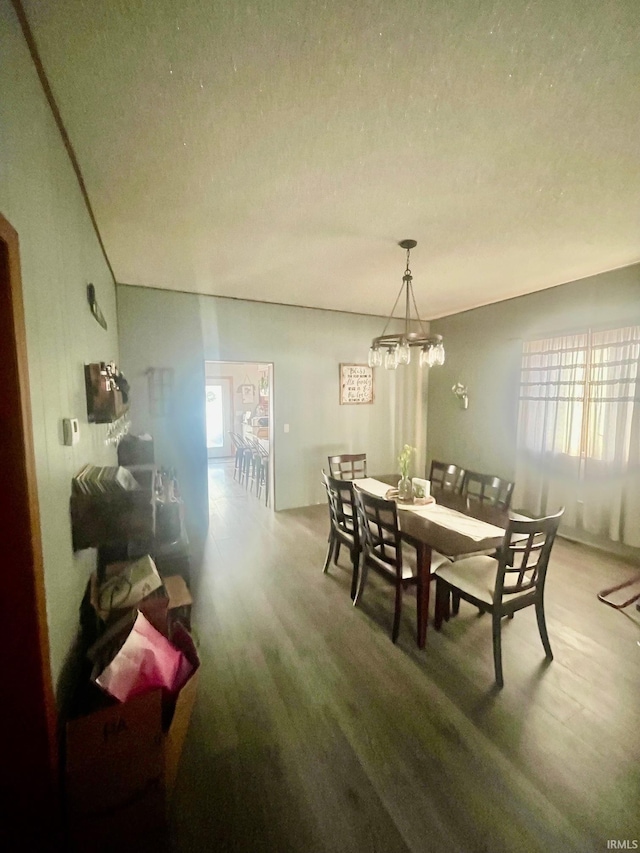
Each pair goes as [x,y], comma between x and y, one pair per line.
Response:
[446,476]
[344,529]
[263,474]
[503,585]
[348,466]
[243,455]
[487,489]
[252,462]
[382,549]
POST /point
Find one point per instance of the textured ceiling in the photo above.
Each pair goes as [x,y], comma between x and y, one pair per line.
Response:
[277,150]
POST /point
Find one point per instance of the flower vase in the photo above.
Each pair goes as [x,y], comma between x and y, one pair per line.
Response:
[405,490]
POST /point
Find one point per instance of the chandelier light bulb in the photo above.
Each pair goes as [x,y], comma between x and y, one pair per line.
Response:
[391,358]
[375,357]
[404,353]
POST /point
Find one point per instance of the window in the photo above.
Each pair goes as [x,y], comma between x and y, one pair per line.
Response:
[577,394]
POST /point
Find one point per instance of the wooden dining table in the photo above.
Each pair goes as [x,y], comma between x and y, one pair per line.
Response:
[425,534]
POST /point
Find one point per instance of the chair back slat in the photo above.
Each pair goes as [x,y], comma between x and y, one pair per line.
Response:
[446,476]
[524,555]
[348,466]
[380,531]
[488,489]
[342,509]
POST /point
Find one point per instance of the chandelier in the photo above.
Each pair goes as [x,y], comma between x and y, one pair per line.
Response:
[394,349]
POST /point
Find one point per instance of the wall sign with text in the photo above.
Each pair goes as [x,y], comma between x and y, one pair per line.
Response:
[356,383]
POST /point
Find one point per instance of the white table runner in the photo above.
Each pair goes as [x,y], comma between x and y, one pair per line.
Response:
[458,521]
[374,487]
[442,515]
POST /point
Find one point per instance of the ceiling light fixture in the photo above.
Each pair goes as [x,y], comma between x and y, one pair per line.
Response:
[394,349]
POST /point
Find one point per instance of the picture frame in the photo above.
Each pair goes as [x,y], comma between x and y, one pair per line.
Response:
[248,393]
[356,385]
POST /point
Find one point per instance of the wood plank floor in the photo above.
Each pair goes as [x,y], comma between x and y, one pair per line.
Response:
[313,732]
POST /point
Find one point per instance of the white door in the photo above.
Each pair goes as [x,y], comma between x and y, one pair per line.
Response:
[219,416]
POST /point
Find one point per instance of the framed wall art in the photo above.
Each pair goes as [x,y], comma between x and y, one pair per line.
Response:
[356,384]
[248,392]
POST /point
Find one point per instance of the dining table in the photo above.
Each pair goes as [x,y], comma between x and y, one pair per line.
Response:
[452,525]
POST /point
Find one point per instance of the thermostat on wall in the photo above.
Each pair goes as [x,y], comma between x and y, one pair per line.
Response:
[70,431]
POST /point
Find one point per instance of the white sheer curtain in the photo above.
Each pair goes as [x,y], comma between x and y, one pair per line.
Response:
[611,488]
[410,412]
[579,431]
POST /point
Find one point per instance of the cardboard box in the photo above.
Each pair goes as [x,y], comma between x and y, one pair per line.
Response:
[138,826]
[180,600]
[122,762]
[114,755]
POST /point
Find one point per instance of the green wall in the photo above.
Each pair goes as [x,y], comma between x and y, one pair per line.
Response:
[484,349]
[164,329]
[39,195]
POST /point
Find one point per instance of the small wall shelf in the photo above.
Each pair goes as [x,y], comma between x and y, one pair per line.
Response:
[104,401]
[116,518]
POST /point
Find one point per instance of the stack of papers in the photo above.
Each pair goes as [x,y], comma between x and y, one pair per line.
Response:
[96,480]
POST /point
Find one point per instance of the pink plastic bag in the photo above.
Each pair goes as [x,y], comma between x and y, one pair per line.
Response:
[147,660]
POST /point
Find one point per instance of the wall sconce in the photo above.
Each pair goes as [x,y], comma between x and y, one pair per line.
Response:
[460,391]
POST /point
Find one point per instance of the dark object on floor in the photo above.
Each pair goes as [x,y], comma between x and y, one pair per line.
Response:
[605,593]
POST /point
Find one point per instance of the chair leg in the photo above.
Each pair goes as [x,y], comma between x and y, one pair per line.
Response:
[542,627]
[329,551]
[497,646]
[355,560]
[455,602]
[252,473]
[442,595]
[262,480]
[364,572]
[397,612]
[337,554]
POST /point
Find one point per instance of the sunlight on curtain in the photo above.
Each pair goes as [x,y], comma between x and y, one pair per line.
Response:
[579,431]
[410,410]
[552,391]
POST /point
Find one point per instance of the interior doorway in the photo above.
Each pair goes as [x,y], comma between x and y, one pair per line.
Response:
[239,410]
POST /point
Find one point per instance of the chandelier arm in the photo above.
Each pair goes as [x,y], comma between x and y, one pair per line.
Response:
[413,297]
[392,310]
[407,304]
